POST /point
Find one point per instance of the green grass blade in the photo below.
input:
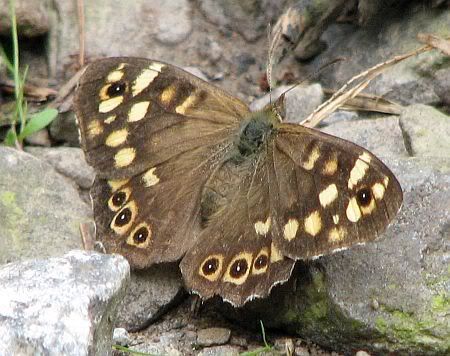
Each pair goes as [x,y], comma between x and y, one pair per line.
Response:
[38,122]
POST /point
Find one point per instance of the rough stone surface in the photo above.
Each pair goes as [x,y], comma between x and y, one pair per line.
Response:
[68,161]
[213,336]
[40,209]
[225,350]
[426,131]
[32,17]
[151,292]
[61,306]
[392,34]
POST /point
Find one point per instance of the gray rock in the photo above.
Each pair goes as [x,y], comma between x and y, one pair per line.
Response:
[408,82]
[300,101]
[388,296]
[32,17]
[224,350]
[151,292]
[61,306]
[442,84]
[247,17]
[426,131]
[118,29]
[213,336]
[68,161]
[64,129]
[39,138]
[381,136]
[121,336]
[40,209]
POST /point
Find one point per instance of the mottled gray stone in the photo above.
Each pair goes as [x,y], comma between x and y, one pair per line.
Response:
[213,336]
[299,102]
[426,131]
[151,292]
[40,209]
[121,336]
[61,306]
[411,81]
[224,350]
[32,17]
[68,161]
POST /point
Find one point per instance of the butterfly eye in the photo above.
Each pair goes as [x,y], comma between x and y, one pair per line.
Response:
[119,198]
[239,268]
[364,196]
[141,235]
[210,266]
[123,218]
[116,89]
[261,262]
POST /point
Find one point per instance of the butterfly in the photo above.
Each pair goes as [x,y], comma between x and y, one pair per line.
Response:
[185,172]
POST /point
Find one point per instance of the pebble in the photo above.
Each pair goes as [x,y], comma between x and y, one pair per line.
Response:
[213,336]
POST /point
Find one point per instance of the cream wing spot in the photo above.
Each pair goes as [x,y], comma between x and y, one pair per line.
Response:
[262,227]
[110,119]
[94,128]
[330,167]
[336,219]
[337,234]
[328,195]
[290,229]
[239,268]
[150,178]
[211,267]
[313,223]
[116,138]
[359,170]
[115,75]
[124,157]
[275,254]
[378,190]
[110,104]
[187,104]
[118,199]
[312,158]
[353,211]
[386,181]
[168,94]
[116,184]
[138,111]
[146,77]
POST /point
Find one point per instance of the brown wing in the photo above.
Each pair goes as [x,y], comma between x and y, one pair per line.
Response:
[236,256]
[328,193]
[153,133]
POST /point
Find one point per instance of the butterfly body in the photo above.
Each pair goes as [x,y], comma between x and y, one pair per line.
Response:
[186,172]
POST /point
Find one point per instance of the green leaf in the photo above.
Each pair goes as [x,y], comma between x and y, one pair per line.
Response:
[10,138]
[38,122]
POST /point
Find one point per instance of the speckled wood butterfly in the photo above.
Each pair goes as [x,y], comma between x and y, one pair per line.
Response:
[186,172]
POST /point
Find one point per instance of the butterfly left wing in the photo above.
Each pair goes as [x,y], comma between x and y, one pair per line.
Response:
[153,134]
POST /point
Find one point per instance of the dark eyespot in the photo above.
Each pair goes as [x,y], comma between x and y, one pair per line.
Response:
[119,199]
[239,268]
[123,217]
[210,266]
[364,196]
[261,261]
[141,234]
[116,89]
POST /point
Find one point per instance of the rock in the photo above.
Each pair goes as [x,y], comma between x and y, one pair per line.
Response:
[243,62]
[150,294]
[408,82]
[168,22]
[247,17]
[121,337]
[300,101]
[40,209]
[381,136]
[442,85]
[209,48]
[426,131]
[213,336]
[220,351]
[64,129]
[68,161]
[62,305]
[32,17]
[39,138]
[330,301]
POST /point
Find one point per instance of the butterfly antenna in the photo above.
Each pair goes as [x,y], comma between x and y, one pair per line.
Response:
[316,73]
[269,62]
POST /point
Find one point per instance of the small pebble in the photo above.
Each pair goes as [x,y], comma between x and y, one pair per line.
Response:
[213,336]
[121,337]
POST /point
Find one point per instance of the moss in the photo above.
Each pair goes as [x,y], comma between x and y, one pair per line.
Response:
[441,303]
[14,215]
